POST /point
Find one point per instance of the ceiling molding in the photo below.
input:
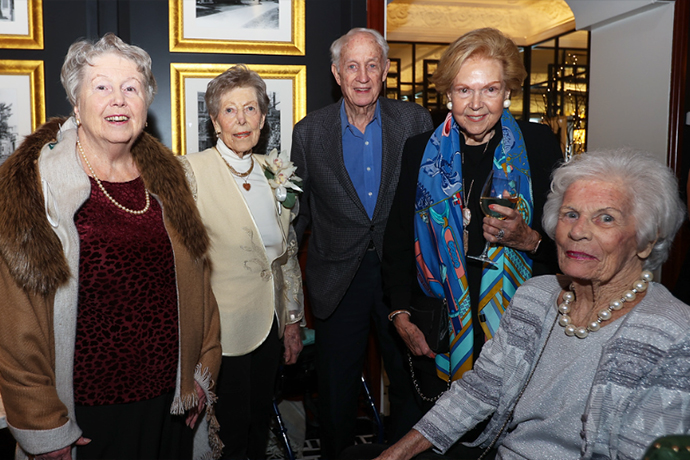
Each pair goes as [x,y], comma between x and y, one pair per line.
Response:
[442,21]
[596,13]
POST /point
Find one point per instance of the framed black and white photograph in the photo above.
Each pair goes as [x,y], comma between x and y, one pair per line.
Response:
[21,24]
[22,102]
[192,130]
[237,26]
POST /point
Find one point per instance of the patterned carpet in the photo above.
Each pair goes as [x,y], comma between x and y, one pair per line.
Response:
[311,449]
[298,412]
[311,446]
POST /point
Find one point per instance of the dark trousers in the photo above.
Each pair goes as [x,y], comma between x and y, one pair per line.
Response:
[7,444]
[245,396]
[341,342]
[139,430]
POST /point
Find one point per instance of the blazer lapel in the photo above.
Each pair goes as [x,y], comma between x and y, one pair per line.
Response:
[390,139]
[333,142]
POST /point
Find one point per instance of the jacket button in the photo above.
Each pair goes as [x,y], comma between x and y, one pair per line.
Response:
[371,229]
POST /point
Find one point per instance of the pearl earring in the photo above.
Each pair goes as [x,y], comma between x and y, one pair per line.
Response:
[506,103]
[450,105]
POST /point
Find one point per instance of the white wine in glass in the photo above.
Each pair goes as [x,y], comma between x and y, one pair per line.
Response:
[486,201]
[502,189]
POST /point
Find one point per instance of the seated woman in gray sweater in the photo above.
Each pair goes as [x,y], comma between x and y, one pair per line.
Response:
[594,363]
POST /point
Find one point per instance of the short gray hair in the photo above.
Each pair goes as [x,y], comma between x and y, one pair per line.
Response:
[337,46]
[651,187]
[238,76]
[84,52]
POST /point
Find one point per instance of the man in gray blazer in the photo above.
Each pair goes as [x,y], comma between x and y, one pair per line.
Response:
[348,155]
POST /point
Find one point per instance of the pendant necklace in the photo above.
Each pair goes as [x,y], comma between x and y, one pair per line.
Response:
[245,175]
[466,213]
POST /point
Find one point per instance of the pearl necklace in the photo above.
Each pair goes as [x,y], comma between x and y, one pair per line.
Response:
[105,192]
[603,315]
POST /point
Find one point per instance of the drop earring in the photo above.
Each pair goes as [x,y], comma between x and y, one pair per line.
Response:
[450,105]
[506,103]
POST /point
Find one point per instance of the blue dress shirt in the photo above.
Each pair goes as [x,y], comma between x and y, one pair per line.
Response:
[362,154]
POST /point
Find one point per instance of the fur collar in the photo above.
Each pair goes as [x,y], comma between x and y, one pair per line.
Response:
[32,251]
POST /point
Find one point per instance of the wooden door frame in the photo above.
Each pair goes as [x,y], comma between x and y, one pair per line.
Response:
[676,159]
[376,15]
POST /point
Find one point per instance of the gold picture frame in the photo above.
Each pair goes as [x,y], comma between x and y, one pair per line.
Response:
[189,33]
[22,102]
[12,32]
[286,85]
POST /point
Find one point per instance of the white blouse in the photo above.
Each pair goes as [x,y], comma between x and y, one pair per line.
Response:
[259,199]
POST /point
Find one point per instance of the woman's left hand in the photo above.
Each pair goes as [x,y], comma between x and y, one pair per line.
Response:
[516,233]
[194,412]
[293,343]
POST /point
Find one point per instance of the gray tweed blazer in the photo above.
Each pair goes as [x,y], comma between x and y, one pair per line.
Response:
[340,227]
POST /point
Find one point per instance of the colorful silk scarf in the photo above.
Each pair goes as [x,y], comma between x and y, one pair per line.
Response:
[439,251]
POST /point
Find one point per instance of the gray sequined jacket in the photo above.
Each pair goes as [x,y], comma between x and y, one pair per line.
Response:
[641,389]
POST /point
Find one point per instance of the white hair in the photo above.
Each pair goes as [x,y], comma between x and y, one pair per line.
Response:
[650,186]
[337,46]
[82,53]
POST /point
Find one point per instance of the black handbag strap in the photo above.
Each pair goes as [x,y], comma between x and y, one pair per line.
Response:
[416,383]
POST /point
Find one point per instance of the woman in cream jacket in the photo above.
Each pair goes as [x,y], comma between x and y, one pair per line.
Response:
[256,276]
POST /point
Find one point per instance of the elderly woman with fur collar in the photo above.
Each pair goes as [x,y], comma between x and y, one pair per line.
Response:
[110,331]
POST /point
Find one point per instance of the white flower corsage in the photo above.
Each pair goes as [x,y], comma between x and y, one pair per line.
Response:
[282,179]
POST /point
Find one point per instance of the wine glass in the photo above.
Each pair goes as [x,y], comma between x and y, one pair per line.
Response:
[503,189]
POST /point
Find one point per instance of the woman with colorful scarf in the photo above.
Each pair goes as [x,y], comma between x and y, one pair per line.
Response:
[438,200]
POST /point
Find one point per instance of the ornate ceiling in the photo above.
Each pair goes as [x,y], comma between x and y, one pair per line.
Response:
[442,21]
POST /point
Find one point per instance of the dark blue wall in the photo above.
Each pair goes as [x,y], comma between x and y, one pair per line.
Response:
[145,24]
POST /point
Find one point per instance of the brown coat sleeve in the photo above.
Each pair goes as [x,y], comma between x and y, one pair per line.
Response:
[27,366]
